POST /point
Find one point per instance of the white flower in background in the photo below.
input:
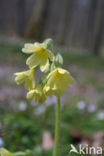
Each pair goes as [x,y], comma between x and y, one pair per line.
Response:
[1,142]
[33,103]
[91,108]
[100,115]
[81,105]
[22,106]
[50,100]
[39,110]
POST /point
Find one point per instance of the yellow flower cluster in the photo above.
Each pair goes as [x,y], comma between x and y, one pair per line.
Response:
[55,79]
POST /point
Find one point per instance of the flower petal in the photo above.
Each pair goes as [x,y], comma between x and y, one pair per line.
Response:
[20,79]
[33,61]
[28,48]
[58,81]
[62,71]
[45,65]
[26,77]
[30,94]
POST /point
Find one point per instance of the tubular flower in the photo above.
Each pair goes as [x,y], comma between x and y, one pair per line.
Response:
[36,94]
[40,55]
[26,77]
[57,82]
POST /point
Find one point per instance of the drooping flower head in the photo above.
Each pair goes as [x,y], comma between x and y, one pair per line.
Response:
[58,81]
[36,94]
[26,77]
[54,81]
[40,55]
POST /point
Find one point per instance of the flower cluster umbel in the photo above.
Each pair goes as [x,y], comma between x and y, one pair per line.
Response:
[55,79]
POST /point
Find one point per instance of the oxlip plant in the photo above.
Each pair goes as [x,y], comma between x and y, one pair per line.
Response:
[54,80]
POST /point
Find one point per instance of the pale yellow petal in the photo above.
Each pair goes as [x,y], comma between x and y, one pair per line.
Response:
[51,74]
[47,90]
[28,48]
[37,45]
[33,61]
[19,79]
[62,71]
[26,77]
[19,73]
[30,94]
[45,65]
[58,81]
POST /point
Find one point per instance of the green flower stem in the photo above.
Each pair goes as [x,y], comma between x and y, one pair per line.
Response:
[55,151]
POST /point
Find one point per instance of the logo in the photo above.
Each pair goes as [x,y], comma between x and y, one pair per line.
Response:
[86,150]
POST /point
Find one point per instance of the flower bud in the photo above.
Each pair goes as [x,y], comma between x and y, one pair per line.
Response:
[59,59]
[48,42]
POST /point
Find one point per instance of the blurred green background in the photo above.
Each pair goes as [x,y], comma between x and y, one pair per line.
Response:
[77,27]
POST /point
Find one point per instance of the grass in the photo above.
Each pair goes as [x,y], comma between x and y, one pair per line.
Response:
[86,61]
[10,53]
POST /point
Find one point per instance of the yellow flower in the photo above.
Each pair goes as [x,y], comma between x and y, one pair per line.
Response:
[40,55]
[36,94]
[57,82]
[4,152]
[26,77]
